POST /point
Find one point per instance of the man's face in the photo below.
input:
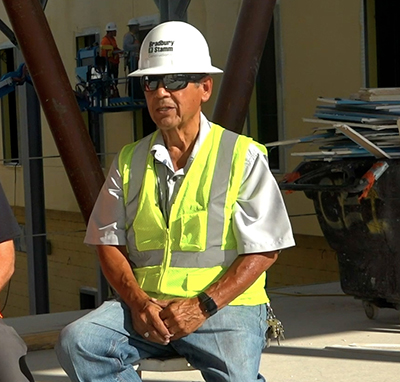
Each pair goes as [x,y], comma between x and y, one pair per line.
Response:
[171,109]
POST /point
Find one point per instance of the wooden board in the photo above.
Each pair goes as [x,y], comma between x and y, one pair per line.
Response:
[362,141]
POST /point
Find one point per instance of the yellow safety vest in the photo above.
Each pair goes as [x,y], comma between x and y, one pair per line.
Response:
[196,247]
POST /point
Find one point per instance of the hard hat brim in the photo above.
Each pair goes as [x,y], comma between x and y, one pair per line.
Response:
[173,70]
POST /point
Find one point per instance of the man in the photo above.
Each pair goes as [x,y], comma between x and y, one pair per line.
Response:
[131,44]
[13,349]
[109,49]
[187,222]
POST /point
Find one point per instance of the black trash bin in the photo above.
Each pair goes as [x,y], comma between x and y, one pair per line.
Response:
[357,203]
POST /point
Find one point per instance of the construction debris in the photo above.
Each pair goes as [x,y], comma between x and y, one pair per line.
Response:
[364,125]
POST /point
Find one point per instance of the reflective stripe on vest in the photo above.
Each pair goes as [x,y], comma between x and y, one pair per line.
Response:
[198,245]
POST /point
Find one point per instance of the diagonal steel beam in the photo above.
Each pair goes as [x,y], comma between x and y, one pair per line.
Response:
[242,65]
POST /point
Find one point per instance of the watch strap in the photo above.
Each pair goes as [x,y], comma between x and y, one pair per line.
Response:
[207,303]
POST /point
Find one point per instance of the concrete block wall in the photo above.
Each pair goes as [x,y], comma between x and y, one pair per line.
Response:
[72,264]
[311,261]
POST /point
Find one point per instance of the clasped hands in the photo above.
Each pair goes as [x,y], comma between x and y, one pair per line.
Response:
[163,321]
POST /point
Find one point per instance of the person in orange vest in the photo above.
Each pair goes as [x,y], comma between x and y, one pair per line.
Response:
[109,49]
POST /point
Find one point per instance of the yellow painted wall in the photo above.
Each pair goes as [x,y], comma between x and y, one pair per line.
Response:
[71,265]
[321,56]
[69,19]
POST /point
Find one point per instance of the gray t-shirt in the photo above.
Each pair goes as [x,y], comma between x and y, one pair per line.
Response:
[9,228]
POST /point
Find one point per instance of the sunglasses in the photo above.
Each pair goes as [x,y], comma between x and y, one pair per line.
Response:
[169,81]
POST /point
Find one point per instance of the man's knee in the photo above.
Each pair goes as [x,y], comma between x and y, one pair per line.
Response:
[73,337]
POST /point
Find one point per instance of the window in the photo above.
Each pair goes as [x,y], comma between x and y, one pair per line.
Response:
[382,43]
[9,119]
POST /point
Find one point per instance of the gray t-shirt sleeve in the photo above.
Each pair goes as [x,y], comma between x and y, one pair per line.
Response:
[260,219]
[106,225]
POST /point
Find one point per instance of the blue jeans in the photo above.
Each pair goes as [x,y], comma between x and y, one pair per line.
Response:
[102,346]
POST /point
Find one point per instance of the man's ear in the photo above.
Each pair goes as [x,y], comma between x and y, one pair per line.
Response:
[207,86]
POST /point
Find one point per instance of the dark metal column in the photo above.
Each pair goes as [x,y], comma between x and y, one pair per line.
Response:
[242,65]
[35,221]
[57,99]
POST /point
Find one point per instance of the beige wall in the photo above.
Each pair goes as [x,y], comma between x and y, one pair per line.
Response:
[68,19]
[321,56]
[71,265]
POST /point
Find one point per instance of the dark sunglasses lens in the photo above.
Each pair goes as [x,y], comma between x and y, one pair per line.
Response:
[169,81]
[149,83]
[173,82]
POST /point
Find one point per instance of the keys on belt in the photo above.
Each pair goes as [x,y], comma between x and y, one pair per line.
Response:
[275,328]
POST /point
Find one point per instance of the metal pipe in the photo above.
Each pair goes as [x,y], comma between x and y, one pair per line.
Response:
[242,65]
[57,99]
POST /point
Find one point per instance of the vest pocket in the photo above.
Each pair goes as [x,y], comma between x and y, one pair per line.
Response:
[190,232]
[200,279]
[147,278]
[148,236]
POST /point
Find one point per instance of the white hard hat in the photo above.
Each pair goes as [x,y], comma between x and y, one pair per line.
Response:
[111,27]
[133,22]
[174,47]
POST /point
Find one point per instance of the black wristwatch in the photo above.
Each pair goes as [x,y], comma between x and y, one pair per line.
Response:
[208,303]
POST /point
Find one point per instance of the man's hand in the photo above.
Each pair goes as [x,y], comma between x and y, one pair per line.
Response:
[145,313]
[147,322]
[181,316]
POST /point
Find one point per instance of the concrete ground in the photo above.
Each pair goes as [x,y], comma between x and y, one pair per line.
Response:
[328,339]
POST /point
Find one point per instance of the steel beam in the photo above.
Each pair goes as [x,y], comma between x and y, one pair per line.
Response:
[242,65]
